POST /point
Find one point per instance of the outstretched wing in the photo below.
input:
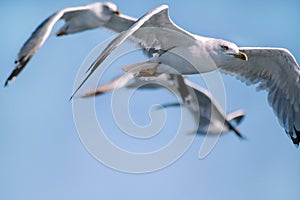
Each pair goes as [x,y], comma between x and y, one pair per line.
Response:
[38,37]
[154,30]
[118,41]
[275,70]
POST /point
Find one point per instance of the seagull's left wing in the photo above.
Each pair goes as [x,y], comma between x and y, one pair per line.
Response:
[39,36]
[275,70]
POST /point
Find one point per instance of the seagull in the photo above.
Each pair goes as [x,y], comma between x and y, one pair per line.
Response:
[173,49]
[213,119]
[273,69]
[77,19]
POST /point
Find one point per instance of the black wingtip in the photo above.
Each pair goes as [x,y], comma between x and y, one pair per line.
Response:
[11,77]
[21,64]
[6,83]
[296,140]
[231,127]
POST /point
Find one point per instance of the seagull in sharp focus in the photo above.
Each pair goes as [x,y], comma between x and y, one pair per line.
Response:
[77,19]
[208,114]
[173,49]
[177,51]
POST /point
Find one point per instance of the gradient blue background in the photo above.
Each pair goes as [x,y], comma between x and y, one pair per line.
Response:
[41,156]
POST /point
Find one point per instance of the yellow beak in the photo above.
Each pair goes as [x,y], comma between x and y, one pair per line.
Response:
[117,12]
[241,55]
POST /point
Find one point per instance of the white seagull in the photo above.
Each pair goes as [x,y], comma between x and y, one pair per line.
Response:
[173,49]
[200,102]
[77,19]
[273,69]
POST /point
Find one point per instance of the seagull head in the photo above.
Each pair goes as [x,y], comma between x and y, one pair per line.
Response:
[110,8]
[227,50]
[106,10]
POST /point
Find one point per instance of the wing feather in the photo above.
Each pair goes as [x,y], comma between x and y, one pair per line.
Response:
[275,70]
[37,39]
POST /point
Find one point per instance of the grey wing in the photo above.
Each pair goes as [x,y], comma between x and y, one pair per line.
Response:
[276,71]
[30,47]
[36,40]
[204,97]
[209,109]
[161,33]
[117,42]
[75,22]
[180,85]
[94,17]
[120,23]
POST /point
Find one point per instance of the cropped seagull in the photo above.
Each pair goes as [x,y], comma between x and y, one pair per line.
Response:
[213,119]
[77,19]
[273,69]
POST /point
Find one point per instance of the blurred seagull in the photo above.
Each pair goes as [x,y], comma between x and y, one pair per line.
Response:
[207,112]
[77,19]
[273,69]
[212,117]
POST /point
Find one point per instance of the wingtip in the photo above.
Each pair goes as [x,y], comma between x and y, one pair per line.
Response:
[295,136]
[71,98]
[91,93]
[242,137]
[61,33]
[9,79]
[164,6]
[6,83]
[74,96]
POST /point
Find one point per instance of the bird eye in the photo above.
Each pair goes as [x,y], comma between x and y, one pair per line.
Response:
[106,7]
[224,47]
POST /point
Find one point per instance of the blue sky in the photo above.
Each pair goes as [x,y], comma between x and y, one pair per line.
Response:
[42,156]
